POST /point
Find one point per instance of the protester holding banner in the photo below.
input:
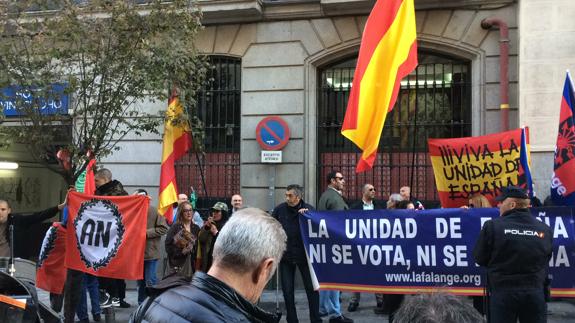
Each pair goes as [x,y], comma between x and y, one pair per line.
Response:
[367,202]
[288,214]
[156,227]
[331,200]
[181,242]
[209,233]
[246,254]
[405,192]
[516,249]
[106,186]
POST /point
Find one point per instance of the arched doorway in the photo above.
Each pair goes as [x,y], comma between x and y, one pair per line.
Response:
[434,102]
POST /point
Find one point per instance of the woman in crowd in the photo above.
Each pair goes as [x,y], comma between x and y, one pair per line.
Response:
[478,200]
[209,233]
[181,242]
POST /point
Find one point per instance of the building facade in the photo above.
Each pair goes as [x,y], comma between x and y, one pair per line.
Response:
[295,59]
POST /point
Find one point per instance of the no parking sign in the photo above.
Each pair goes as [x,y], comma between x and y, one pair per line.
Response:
[272,133]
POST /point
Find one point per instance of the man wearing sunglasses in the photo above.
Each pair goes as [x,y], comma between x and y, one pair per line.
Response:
[331,200]
[367,202]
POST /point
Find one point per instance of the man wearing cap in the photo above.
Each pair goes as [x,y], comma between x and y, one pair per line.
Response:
[209,234]
[516,249]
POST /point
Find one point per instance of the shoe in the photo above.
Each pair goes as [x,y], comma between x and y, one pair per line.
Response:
[96,317]
[124,304]
[105,300]
[340,319]
[352,306]
[379,310]
[115,302]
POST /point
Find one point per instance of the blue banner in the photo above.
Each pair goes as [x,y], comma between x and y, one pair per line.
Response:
[14,99]
[407,251]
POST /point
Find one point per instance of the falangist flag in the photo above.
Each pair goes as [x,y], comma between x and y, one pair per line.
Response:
[388,53]
[484,164]
[563,179]
[107,235]
[50,274]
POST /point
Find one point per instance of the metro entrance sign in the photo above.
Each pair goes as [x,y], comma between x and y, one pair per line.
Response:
[272,133]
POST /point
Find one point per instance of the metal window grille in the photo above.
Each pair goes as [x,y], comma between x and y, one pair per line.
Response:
[215,175]
[434,102]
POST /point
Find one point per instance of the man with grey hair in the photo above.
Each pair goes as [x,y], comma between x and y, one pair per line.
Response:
[437,308]
[288,214]
[246,254]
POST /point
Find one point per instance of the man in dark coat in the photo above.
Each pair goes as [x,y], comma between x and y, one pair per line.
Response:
[331,200]
[288,214]
[516,249]
[246,254]
[19,222]
[367,202]
[106,186]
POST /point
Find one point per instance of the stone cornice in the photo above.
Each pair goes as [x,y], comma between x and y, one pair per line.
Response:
[241,11]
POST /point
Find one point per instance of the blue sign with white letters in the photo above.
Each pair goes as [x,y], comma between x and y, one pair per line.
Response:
[408,251]
[15,98]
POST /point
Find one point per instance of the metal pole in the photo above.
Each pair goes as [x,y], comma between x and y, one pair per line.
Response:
[272,188]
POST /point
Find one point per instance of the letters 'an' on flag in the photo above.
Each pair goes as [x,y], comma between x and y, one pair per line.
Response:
[107,235]
[563,180]
[51,274]
[387,54]
[177,141]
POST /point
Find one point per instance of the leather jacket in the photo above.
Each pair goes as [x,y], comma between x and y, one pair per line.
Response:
[205,299]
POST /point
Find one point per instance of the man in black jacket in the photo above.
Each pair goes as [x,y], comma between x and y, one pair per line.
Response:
[20,222]
[288,214]
[245,255]
[367,202]
[516,249]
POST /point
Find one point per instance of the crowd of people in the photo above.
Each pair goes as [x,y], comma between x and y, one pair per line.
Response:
[218,265]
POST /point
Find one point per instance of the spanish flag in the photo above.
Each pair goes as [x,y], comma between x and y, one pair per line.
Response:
[177,141]
[387,54]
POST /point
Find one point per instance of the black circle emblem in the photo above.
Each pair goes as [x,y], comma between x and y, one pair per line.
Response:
[99,232]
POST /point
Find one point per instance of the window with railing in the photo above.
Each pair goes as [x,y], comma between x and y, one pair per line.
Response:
[215,173]
[434,102]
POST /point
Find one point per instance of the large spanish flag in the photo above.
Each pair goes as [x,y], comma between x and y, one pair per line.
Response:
[387,54]
[177,141]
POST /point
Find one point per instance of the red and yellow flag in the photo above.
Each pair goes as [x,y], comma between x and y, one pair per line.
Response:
[387,54]
[177,141]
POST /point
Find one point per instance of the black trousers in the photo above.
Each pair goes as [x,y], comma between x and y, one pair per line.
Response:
[392,303]
[527,305]
[287,276]
[115,287]
[72,294]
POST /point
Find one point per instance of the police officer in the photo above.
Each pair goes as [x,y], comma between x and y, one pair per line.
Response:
[516,249]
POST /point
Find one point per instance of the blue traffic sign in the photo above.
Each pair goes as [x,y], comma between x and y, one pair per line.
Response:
[272,133]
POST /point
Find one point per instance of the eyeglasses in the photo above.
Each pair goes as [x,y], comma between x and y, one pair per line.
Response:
[188,210]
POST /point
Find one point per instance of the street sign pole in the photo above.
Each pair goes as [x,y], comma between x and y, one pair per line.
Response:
[271,187]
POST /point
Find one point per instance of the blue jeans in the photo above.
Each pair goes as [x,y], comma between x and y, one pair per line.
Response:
[329,303]
[90,285]
[149,278]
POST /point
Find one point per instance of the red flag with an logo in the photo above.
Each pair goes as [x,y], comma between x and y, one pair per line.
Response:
[50,274]
[107,235]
